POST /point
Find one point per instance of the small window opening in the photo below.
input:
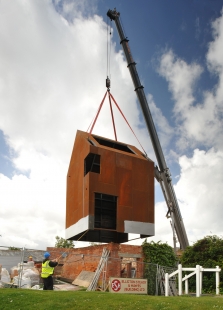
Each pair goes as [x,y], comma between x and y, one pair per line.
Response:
[113,145]
[92,163]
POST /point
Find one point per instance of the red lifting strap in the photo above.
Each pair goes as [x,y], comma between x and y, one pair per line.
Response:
[99,109]
[126,121]
[113,121]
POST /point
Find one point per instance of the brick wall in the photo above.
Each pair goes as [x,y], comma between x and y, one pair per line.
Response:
[73,261]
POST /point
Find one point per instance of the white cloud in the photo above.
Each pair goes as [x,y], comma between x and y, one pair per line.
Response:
[52,80]
[214,56]
[70,9]
[162,126]
[199,123]
[33,208]
[181,78]
[199,192]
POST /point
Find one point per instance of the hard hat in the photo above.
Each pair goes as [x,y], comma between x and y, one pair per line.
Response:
[47,254]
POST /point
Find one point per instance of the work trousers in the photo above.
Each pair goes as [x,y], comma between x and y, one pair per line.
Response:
[48,283]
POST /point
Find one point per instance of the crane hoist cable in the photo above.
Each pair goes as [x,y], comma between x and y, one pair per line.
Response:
[108,82]
[109,32]
[110,97]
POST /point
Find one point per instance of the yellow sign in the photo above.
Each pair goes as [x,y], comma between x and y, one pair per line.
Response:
[128,285]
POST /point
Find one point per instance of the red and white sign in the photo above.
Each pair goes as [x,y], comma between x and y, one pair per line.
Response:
[116,285]
[128,285]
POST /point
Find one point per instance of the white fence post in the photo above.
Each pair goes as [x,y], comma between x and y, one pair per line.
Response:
[186,286]
[197,281]
[201,279]
[180,279]
[166,284]
[217,279]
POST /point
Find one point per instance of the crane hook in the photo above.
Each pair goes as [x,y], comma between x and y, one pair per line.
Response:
[108,83]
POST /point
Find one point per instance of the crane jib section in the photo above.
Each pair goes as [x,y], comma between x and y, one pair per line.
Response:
[162,171]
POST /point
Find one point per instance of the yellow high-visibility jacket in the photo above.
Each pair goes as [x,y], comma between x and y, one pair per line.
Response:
[46,270]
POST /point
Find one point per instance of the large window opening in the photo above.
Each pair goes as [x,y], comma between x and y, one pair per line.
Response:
[114,145]
[92,163]
[128,267]
[105,211]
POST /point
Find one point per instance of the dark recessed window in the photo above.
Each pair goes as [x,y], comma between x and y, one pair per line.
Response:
[92,163]
[105,211]
[114,145]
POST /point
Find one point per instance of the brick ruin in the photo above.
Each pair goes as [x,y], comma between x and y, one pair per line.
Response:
[124,260]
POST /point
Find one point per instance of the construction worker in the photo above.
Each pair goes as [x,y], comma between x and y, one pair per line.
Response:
[47,271]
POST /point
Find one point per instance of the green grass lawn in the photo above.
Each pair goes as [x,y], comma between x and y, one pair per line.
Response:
[22,299]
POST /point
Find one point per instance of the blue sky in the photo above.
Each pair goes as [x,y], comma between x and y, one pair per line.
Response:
[52,79]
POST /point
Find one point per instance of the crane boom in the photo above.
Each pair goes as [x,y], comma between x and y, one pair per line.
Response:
[162,172]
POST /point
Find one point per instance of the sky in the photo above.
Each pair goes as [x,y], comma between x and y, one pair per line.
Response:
[53,66]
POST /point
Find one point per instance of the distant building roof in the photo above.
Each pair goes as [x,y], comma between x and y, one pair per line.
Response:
[11,258]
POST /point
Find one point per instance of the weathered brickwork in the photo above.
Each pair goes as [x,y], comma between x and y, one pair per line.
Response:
[88,258]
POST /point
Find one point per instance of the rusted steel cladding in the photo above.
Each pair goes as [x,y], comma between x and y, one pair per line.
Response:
[110,191]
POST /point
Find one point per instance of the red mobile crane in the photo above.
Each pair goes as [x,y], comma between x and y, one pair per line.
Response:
[162,172]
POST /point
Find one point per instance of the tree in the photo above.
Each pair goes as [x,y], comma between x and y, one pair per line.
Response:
[159,253]
[12,248]
[94,243]
[156,253]
[208,253]
[63,243]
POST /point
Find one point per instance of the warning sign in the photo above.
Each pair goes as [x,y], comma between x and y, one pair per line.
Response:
[116,285]
[128,285]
